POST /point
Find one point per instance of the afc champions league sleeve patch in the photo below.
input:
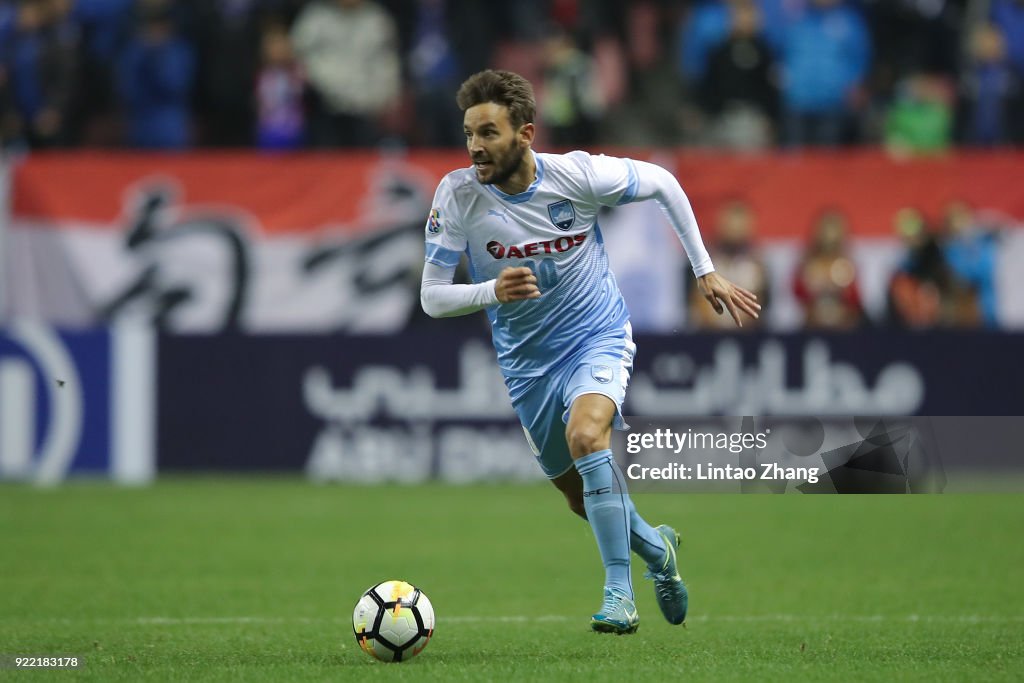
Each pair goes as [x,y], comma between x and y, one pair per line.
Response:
[563,214]
[434,222]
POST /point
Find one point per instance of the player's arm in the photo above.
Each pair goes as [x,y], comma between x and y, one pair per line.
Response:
[445,243]
[654,182]
[442,299]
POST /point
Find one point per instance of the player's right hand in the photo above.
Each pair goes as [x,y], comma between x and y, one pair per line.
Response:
[515,284]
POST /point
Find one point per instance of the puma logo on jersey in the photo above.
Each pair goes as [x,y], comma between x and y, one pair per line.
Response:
[499,214]
[562,244]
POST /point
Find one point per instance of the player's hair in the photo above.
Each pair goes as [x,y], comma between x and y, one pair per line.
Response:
[500,87]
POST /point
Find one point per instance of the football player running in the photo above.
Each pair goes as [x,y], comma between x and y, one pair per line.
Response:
[527,222]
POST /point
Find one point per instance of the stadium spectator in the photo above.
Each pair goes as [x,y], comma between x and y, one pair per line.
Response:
[631,61]
[228,44]
[970,248]
[825,282]
[353,51]
[1008,15]
[105,26]
[569,100]
[921,117]
[736,258]
[349,53]
[8,16]
[776,15]
[826,52]
[435,71]
[38,58]
[737,88]
[156,75]
[704,27]
[993,94]
[708,24]
[9,122]
[524,20]
[279,93]
[924,292]
[914,36]
[472,31]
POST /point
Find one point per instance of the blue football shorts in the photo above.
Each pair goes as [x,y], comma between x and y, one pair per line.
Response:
[600,366]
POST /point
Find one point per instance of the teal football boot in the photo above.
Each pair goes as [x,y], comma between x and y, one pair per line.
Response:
[669,588]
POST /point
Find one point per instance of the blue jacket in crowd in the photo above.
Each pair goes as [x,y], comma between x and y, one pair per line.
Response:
[1008,15]
[825,52]
[709,25]
[155,80]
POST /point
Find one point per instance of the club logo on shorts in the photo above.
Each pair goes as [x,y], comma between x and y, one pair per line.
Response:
[602,373]
[434,222]
[563,214]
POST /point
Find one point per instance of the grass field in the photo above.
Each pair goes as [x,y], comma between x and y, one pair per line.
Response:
[255,579]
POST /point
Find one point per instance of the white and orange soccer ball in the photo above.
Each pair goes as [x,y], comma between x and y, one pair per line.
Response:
[393,621]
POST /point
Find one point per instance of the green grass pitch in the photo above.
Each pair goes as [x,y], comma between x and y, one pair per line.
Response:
[255,580]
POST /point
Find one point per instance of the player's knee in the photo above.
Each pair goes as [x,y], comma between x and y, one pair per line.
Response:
[585,438]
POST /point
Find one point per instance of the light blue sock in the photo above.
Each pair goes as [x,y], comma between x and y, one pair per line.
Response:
[607,504]
[644,540]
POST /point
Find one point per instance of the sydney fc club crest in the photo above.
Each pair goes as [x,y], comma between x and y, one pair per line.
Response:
[434,222]
[602,373]
[563,214]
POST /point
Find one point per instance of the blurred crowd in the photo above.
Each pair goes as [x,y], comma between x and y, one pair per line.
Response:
[946,276]
[915,75]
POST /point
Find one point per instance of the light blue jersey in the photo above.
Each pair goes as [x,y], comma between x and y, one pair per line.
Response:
[575,339]
[550,228]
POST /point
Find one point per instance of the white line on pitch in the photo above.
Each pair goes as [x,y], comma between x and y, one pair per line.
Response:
[542,618]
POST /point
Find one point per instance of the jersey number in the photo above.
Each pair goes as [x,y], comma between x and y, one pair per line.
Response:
[546,272]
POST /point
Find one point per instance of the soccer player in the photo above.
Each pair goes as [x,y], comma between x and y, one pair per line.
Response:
[528,224]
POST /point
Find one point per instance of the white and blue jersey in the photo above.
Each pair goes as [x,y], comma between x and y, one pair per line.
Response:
[550,228]
[576,338]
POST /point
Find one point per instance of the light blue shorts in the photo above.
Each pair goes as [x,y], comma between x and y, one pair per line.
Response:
[602,366]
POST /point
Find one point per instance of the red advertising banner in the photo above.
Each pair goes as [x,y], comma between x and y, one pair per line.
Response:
[333,242]
[303,192]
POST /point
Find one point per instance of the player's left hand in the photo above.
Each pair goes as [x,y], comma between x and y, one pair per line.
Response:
[718,291]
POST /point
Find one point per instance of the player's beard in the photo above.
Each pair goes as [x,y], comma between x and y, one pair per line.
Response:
[504,165]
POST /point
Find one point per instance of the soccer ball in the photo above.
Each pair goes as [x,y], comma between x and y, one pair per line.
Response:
[393,621]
